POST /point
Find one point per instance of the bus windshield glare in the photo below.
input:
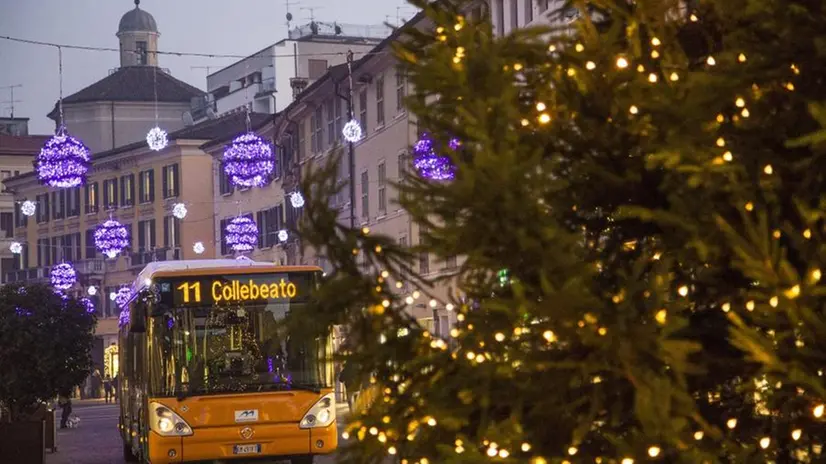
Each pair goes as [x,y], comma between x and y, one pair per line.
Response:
[227,334]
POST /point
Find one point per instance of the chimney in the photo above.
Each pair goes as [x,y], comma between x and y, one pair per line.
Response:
[298,84]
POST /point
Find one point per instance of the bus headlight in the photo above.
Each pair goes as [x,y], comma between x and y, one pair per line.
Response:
[165,422]
[322,414]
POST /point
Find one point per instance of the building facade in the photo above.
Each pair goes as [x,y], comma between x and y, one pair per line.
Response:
[17,153]
[265,81]
[123,106]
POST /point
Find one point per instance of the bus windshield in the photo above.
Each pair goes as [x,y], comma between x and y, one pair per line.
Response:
[225,341]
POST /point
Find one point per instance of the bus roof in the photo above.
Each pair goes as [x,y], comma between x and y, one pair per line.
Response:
[201,266]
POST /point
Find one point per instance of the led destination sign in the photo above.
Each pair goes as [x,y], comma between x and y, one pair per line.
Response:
[244,288]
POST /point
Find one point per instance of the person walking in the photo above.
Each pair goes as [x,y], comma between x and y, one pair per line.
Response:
[352,383]
[107,388]
[66,405]
[96,383]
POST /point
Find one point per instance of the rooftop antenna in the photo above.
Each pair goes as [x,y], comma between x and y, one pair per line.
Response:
[287,5]
[12,100]
[311,9]
[207,68]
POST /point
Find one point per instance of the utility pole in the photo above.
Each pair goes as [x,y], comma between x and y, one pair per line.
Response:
[351,148]
[12,101]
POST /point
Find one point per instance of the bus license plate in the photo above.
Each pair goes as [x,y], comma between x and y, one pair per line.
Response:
[246,449]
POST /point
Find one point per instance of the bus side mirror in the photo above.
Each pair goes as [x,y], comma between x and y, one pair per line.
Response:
[137,318]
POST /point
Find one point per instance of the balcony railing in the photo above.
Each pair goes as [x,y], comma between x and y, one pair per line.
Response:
[142,258]
[85,268]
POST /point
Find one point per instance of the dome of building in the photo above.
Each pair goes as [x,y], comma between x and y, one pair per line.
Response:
[137,20]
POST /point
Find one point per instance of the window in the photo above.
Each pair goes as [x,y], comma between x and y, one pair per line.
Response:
[171,232]
[42,210]
[140,48]
[403,164]
[316,68]
[424,263]
[223,180]
[380,100]
[73,202]
[499,22]
[110,193]
[365,200]
[146,235]
[528,11]
[129,236]
[92,198]
[44,257]
[170,181]
[55,249]
[72,247]
[20,219]
[22,260]
[127,190]
[91,250]
[302,138]
[339,117]
[363,109]
[3,176]
[331,120]
[316,130]
[401,89]
[450,262]
[59,204]
[403,275]
[7,224]
[146,188]
[382,188]
[222,236]
[514,14]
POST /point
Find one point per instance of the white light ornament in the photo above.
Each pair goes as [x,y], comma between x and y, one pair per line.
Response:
[297,200]
[28,208]
[156,139]
[113,295]
[198,247]
[16,248]
[283,236]
[92,291]
[352,131]
[179,210]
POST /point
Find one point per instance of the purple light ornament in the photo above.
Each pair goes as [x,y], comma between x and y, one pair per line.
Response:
[63,276]
[248,161]
[430,164]
[241,234]
[111,238]
[63,161]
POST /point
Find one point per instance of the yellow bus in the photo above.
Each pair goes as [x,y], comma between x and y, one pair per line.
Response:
[211,372]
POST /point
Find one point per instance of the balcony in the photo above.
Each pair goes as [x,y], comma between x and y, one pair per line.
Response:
[86,269]
[142,258]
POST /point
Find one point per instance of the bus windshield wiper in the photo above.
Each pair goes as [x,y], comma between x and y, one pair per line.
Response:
[305,386]
[284,386]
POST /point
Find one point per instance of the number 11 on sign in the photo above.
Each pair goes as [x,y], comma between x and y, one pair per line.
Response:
[194,287]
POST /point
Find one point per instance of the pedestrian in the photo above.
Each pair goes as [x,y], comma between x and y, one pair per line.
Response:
[66,405]
[107,388]
[96,383]
[115,382]
[352,383]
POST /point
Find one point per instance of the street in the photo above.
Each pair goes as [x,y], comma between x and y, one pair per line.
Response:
[96,440]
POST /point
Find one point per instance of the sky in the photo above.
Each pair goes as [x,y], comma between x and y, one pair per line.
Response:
[197,26]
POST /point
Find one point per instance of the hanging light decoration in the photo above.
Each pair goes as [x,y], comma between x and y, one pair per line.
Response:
[352,131]
[248,161]
[16,248]
[123,318]
[89,304]
[243,258]
[111,238]
[156,137]
[198,247]
[241,234]
[64,160]
[63,276]
[283,236]
[28,208]
[123,295]
[430,164]
[297,200]
[92,291]
[179,210]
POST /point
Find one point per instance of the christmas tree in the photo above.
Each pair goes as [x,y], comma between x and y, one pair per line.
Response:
[636,201]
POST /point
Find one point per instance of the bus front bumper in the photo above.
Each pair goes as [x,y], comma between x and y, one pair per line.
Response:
[227,443]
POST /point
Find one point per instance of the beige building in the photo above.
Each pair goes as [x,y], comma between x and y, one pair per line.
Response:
[121,108]
[139,188]
[307,131]
[16,155]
